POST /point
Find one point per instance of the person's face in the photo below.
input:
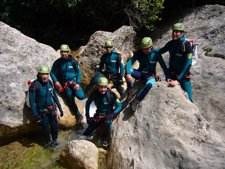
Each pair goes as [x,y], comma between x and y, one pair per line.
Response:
[108,49]
[146,51]
[177,34]
[64,54]
[102,89]
[44,76]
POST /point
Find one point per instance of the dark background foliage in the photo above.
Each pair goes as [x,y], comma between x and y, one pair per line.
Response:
[73,21]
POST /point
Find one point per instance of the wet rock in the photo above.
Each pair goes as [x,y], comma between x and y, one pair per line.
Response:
[20,56]
[206,26]
[80,154]
[166,131]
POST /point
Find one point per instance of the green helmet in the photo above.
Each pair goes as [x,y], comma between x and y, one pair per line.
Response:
[103,81]
[64,48]
[43,69]
[146,42]
[179,27]
[108,43]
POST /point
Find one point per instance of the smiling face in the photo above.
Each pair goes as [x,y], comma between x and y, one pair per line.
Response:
[102,89]
[177,34]
[44,76]
[64,54]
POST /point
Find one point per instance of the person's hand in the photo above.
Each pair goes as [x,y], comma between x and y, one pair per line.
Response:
[58,86]
[128,77]
[172,83]
[76,87]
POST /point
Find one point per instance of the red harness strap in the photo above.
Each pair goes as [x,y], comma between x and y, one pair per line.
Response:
[66,85]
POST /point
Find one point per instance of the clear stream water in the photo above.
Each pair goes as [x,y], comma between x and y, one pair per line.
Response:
[28,152]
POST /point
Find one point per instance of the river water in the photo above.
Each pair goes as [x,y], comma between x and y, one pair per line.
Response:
[28,152]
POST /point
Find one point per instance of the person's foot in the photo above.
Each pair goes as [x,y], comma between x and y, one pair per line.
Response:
[54,143]
[83,137]
[134,105]
[105,144]
[48,144]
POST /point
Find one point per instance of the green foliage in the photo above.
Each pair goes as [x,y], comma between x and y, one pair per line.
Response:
[144,13]
[61,21]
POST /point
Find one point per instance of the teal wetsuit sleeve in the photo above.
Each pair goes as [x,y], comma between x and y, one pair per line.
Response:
[130,63]
[163,66]
[186,67]
[121,69]
[56,100]
[188,61]
[164,49]
[53,72]
[87,105]
[77,70]
[32,96]
[118,106]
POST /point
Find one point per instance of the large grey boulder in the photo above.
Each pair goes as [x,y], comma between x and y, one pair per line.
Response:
[167,131]
[19,56]
[123,40]
[206,26]
[80,154]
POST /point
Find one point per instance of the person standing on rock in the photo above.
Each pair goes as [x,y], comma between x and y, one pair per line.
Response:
[147,58]
[180,60]
[111,67]
[108,107]
[43,101]
[66,76]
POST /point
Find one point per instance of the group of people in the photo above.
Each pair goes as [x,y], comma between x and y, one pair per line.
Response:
[66,77]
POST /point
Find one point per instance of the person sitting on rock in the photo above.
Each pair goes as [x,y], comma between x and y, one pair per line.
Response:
[111,67]
[42,98]
[147,58]
[180,60]
[66,76]
[108,107]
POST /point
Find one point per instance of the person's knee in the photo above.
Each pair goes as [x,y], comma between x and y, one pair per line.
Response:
[148,86]
[81,97]
[108,122]
[151,81]
[80,94]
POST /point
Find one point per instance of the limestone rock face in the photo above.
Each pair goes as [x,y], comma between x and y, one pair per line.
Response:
[123,40]
[20,56]
[80,154]
[206,26]
[166,131]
